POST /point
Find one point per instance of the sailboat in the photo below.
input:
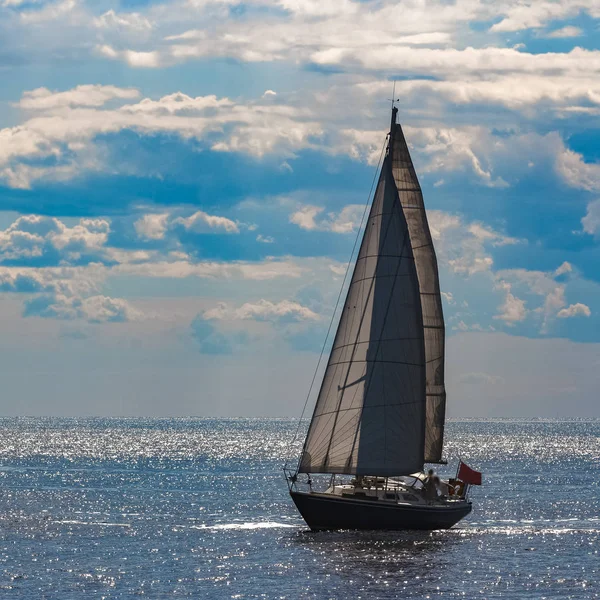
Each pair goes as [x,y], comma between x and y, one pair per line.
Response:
[380,412]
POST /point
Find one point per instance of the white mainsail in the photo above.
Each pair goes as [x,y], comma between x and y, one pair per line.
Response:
[381,406]
[370,413]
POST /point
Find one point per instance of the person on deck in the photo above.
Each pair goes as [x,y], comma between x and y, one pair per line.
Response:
[441,486]
[429,486]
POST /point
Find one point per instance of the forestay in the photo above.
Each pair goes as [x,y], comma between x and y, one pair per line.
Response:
[370,413]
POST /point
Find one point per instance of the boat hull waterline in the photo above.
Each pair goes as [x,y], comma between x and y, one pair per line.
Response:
[323,511]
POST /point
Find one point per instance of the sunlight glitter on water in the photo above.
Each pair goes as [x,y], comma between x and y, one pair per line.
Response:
[199,508]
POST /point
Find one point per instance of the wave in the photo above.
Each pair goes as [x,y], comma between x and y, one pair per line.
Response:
[247,525]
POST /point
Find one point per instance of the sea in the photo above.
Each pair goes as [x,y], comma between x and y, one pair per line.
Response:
[199,508]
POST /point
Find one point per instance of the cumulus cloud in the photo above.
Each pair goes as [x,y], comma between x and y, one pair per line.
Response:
[269,269]
[66,293]
[574,310]
[60,138]
[591,221]
[81,95]
[464,246]
[547,286]
[566,267]
[466,250]
[63,126]
[512,310]
[346,221]
[263,310]
[61,270]
[152,226]
[448,297]
[34,237]
[470,61]
[577,172]
[146,60]
[201,222]
[519,16]
[62,9]
[160,226]
[265,239]
[431,40]
[568,31]
[122,21]
[94,309]
[351,34]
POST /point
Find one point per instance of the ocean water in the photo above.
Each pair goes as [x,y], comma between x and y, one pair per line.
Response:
[198,508]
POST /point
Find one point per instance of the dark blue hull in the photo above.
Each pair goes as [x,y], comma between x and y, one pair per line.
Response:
[326,511]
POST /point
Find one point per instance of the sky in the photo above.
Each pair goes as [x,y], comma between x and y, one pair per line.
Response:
[181,185]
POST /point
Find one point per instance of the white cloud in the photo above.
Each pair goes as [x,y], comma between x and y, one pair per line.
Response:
[152,226]
[63,126]
[591,221]
[566,267]
[66,293]
[512,310]
[465,249]
[542,285]
[265,239]
[432,38]
[470,61]
[68,281]
[345,221]
[574,310]
[448,297]
[82,95]
[112,20]
[485,234]
[576,172]
[559,91]
[63,9]
[34,236]
[263,310]
[462,326]
[17,2]
[462,246]
[234,270]
[156,226]
[94,309]
[519,16]
[59,140]
[568,31]
[144,60]
[320,8]
[201,222]
[305,217]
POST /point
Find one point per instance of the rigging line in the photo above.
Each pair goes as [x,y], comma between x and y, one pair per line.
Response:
[312,383]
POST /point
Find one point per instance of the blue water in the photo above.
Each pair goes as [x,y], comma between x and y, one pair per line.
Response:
[135,508]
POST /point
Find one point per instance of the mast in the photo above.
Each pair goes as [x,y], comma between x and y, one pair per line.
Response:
[369,418]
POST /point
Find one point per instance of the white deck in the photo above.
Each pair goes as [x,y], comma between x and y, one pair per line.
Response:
[405,492]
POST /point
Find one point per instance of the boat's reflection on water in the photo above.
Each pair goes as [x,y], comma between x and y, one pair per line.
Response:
[382,557]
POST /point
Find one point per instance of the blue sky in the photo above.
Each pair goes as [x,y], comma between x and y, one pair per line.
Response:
[181,185]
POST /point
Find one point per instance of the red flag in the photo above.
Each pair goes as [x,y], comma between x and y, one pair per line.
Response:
[468,475]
